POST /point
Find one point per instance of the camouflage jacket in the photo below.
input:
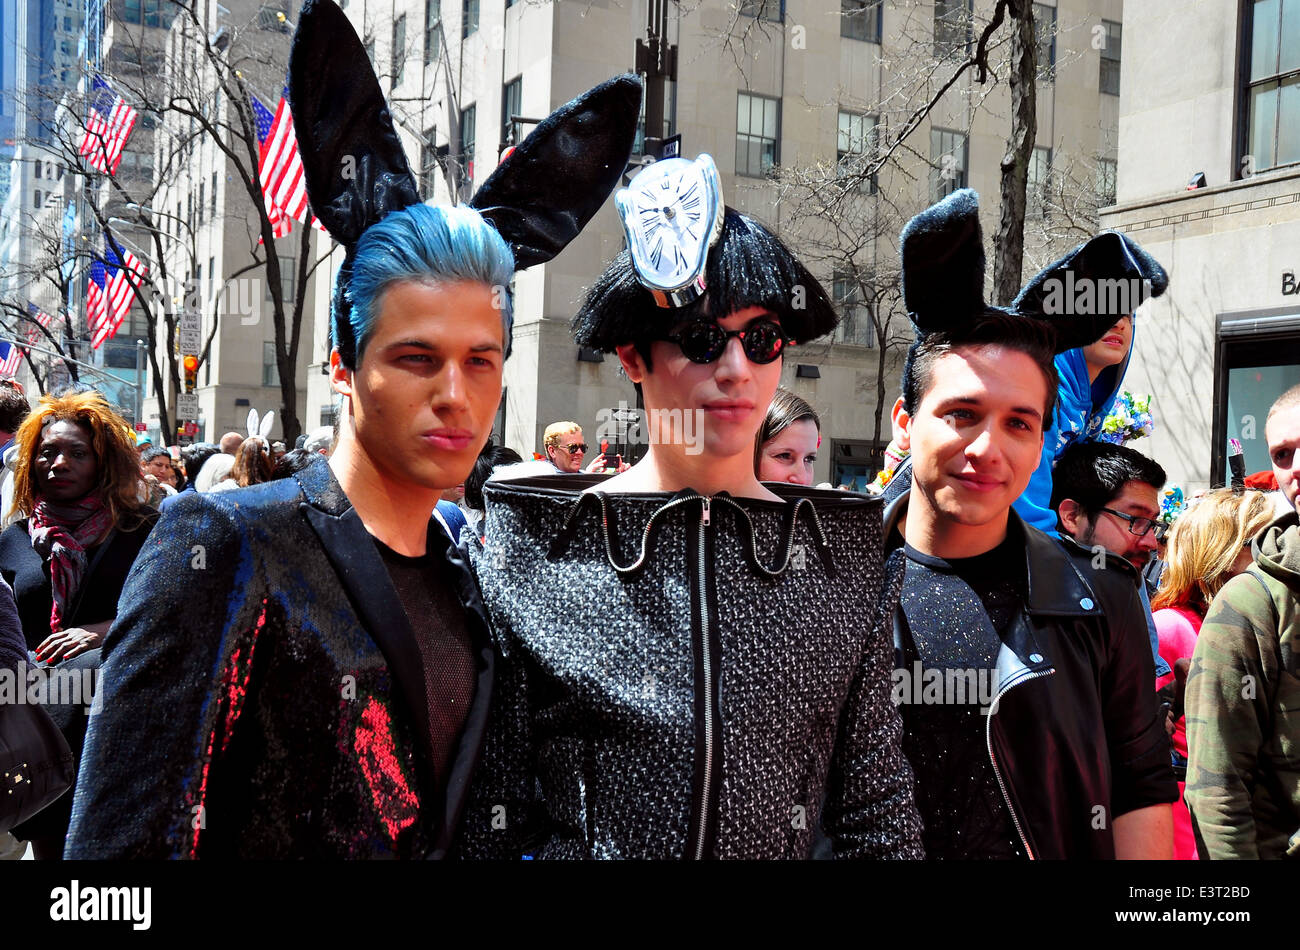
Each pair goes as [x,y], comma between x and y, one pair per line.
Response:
[1243,708]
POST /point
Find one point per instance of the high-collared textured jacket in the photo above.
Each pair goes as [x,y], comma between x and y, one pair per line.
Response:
[1076,736]
[263,694]
[687,677]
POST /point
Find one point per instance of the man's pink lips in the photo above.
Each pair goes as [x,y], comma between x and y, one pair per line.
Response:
[730,409]
[978,482]
[454,440]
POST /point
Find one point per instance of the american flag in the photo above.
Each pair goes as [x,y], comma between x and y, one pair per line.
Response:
[36,315]
[279,167]
[109,126]
[265,121]
[10,357]
[109,294]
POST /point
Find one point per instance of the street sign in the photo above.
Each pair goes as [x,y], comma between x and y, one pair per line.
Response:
[142,427]
[190,341]
[191,428]
[190,320]
[187,406]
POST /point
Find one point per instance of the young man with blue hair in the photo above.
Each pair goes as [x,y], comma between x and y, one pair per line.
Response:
[302,668]
[312,639]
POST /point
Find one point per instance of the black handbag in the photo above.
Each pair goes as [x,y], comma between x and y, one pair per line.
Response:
[35,762]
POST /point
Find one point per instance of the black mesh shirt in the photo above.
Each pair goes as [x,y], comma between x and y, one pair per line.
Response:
[446,649]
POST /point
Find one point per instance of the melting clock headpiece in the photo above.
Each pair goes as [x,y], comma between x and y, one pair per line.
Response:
[689,257]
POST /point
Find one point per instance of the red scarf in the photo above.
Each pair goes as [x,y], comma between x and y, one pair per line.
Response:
[60,534]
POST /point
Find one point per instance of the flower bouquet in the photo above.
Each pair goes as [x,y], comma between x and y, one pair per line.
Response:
[1129,418]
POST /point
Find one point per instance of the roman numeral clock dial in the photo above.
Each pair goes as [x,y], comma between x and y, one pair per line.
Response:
[672,215]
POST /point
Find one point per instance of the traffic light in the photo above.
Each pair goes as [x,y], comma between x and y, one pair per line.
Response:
[191,364]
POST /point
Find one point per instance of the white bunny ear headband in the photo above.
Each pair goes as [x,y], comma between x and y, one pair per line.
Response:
[262,431]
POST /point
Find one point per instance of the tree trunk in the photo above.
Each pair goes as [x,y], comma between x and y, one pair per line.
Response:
[1009,239]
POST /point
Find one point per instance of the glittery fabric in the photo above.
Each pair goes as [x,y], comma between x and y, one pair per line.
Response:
[252,706]
[598,697]
[949,625]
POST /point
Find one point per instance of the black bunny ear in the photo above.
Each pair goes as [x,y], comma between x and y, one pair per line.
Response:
[352,158]
[1088,289]
[551,185]
[942,251]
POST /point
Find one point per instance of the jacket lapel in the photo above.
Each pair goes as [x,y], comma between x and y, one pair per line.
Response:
[362,573]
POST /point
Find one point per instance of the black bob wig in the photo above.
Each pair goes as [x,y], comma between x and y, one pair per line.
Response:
[748,267]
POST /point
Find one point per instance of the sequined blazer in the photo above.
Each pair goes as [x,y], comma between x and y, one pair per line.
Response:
[687,677]
[263,694]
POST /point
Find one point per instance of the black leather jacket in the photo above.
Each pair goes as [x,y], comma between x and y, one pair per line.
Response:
[1076,737]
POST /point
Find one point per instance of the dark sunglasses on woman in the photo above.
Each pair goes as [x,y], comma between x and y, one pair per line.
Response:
[701,342]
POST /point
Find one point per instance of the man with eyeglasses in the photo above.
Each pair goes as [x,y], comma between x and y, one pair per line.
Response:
[1107,498]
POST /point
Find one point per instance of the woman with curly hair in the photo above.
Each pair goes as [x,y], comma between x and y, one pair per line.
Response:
[80,525]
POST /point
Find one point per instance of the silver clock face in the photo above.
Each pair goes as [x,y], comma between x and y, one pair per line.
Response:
[672,215]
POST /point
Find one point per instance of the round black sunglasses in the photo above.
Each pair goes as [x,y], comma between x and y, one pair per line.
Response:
[701,342]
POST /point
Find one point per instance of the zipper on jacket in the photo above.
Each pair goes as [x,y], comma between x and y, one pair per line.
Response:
[988,738]
[706,785]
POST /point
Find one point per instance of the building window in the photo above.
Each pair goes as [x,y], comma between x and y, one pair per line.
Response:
[499,424]
[131,11]
[214,195]
[432,19]
[1106,174]
[757,134]
[399,48]
[154,14]
[468,123]
[855,324]
[268,18]
[773,10]
[428,163]
[37,199]
[1109,81]
[1045,31]
[1254,364]
[270,370]
[948,161]
[1274,94]
[1039,183]
[861,19]
[468,17]
[952,28]
[855,148]
[202,203]
[511,102]
[287,266]
[36,169]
